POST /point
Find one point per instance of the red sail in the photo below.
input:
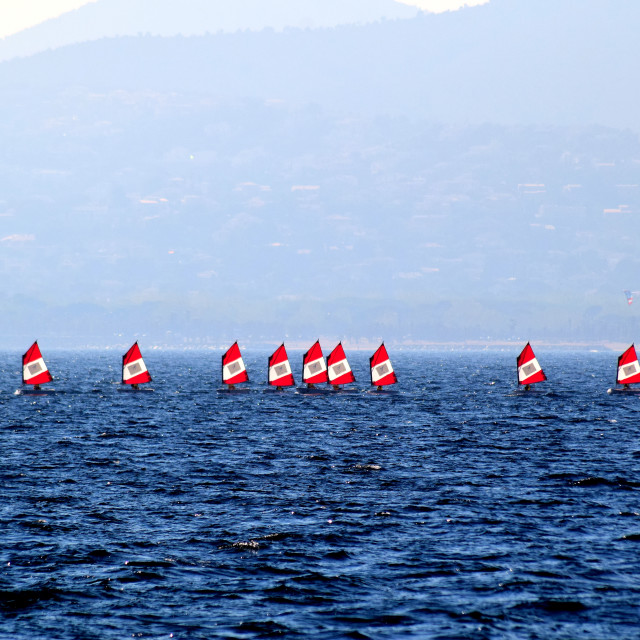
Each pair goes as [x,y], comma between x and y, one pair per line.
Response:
[280,374]
[34,369]
[529,369]
[314,368]
[628,367]
[134,370]
[381,369]
[339,369]
[233,369]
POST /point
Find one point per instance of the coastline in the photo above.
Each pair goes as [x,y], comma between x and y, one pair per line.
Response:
[361,344]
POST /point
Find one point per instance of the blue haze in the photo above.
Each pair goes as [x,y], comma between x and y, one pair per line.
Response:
[471,176]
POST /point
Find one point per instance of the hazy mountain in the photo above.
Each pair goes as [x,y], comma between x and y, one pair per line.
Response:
[112,18]
[557,62]
[251,186]
[200,222]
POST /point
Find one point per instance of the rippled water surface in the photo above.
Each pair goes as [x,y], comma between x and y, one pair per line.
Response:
[454,507]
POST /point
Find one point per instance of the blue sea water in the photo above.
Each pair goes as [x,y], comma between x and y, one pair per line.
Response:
[454,507]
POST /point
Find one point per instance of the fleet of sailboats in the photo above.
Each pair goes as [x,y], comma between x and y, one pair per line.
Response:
[335,371]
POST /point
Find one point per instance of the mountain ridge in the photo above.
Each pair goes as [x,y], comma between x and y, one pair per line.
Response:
[492,63]
[250,184]
[117,18]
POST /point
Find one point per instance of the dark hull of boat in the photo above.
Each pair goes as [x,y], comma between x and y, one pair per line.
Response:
[626,392]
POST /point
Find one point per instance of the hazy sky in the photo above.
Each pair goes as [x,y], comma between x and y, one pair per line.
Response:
[16,15]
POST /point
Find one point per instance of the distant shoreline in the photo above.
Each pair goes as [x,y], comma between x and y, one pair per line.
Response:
[363,345]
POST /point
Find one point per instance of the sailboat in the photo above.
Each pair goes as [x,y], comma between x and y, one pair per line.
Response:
[134,370]
[314,368]
[382,373]
[628,369]
[233,369]
[280,374]
[339,369]
[529,369]
[34,369]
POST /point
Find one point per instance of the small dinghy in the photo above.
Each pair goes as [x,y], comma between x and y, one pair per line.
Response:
[134,370]
[628,371]
[280,374]
[529,369]
[314,368]
[34,370]
[339,370]
[233,369]
[382,373]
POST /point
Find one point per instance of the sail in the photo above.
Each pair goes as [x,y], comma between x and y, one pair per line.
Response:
[134,370]
[233,369]
[529,369]
[314,368]
[381,369]
[628,367]
[339,369]
[34,369]
[280,374]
